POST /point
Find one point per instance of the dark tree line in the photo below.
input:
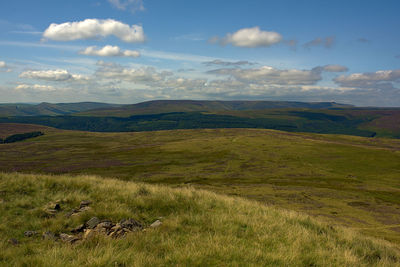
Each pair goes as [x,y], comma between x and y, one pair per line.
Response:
[20,137]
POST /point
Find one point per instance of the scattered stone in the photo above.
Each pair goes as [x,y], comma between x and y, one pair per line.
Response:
[130,224]
[88,233]
[13,241]
[85,203]
[52,209]
[84,208]
[78,229]
[30,233]
[92,223]
[105,224]
[68,238]
[156,224]
[118,233]
[49,236]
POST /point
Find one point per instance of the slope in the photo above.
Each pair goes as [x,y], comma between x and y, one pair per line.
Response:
[344,180]
[199,228]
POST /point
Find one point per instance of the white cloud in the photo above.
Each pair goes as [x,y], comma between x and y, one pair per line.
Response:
[250,37]
[270,75]
[53,75]
[133,5]
[381,78]
[335,68]
[109,51]
[35,87]
[2,64]
[94,28]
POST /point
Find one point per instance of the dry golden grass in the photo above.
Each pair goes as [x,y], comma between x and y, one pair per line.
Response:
[200,228]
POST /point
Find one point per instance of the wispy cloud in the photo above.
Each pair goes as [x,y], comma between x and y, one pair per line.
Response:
[326,42]
[41,45]
[132,5]
[174,56]
[27,32]
[218,62]
[190,37]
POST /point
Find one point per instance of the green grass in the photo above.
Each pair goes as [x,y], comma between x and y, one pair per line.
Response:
[343,180]
[199,228]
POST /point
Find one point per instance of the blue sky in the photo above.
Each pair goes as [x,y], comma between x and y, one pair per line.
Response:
[128,51]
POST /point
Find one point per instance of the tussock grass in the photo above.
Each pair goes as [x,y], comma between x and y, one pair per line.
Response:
[200,228]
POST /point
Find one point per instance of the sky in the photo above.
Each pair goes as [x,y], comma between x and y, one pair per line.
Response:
[129,51]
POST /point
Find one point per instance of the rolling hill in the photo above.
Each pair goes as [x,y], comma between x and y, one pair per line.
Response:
[324,117]
[343,180]
[198,228]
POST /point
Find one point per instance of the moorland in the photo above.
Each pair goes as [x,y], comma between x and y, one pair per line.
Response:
[329,195]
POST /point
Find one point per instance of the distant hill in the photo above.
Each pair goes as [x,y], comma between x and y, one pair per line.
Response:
[49,109]
[168,106]
[317,117]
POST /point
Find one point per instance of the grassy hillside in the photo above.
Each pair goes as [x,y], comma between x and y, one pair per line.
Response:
[16,128]
[198,228]
[293,121]
[344,180]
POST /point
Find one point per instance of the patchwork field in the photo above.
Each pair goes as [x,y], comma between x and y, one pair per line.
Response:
[344,180]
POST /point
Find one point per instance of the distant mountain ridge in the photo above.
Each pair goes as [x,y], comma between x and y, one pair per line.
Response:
[50,109]
[167,106]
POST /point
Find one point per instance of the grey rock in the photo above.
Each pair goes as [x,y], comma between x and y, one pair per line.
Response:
[68,238]
[92,223]
[78,229]
[106,224]
[30,233]
[156,224]
[130,224]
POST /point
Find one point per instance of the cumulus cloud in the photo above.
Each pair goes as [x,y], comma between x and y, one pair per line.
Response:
[132,5]
[2,64]
[381,79]
[249,37]
[35,87]
[270,75]
[326,42]
[219,62]
[109,51]
[94,28]
[53,75]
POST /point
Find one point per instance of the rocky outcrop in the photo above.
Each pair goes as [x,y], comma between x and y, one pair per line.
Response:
[93,226]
